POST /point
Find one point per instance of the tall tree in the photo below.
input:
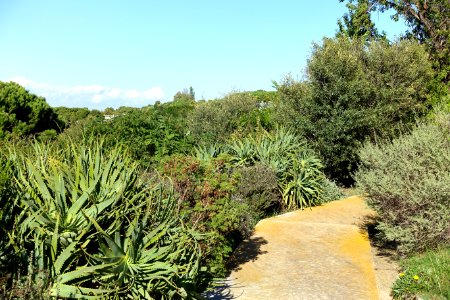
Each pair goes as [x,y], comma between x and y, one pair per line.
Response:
[429,22]
[357,22]
[355,91]
[23,113]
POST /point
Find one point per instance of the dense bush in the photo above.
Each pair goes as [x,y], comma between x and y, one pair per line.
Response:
[299,172]
[23,113]
[149,133]
[258,187]
[240,113]
[355,91]
[407,182]
[204,190]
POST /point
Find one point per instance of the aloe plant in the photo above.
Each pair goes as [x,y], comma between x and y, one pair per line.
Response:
[206,153]
[303,182]
[299,172]
[97,230]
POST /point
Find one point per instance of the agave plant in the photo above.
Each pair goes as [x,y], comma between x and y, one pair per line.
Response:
[62,190]
[276,149]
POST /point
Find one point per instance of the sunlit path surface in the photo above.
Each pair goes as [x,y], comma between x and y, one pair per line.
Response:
[318,253]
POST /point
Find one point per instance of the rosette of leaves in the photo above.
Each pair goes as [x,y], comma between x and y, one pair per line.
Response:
[97,231]
[302,183]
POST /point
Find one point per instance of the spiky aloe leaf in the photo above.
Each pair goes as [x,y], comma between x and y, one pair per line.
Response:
[61,290]
[65,258]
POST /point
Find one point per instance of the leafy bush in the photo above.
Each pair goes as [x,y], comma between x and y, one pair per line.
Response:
[354,91]
[258,188]
[97,230]
[299,173]
[331,191]
[425,275]
[239,113]
[149,133]
[23,113]
[204,189]
[407,181]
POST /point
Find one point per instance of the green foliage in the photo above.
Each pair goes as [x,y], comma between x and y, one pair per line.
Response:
[355,92]
[302,184]
[239,113]
[357,23]
[428,22]
[425,275]
[258,188]
[299,172]
[185,95]
[71,116]
[330,191]
[23,113]
[149,133]
[407,182]
[204,189]
[97,230]
[8,214]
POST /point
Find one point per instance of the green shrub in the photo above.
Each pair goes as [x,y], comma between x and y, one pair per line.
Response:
[204,189]
[237,113]
[330,191]
[23,113]
[354,91]
[424,275]
[407,181]
[148,133]
[258,188]
[299,172]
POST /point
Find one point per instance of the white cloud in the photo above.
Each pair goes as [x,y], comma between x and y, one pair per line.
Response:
[91,96]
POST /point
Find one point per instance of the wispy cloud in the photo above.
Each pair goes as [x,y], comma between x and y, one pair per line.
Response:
[91,96]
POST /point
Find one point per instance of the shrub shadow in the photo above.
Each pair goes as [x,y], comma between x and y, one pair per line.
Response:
[382,248]
[248,250]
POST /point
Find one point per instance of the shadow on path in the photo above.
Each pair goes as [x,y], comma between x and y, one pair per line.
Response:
[247,251]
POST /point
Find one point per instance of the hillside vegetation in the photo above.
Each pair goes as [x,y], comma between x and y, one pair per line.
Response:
[150,203]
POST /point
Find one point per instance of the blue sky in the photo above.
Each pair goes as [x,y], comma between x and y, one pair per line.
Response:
[100,54]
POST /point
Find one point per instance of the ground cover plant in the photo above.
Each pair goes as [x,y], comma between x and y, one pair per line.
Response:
[426,275]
